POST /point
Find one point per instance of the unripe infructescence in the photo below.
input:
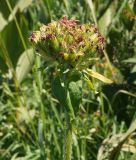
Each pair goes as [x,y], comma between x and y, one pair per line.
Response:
[68,42]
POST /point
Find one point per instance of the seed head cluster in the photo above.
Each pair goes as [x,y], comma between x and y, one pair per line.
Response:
[68,42]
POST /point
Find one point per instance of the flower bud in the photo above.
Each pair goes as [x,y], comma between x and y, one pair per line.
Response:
[66,56]
[35,36]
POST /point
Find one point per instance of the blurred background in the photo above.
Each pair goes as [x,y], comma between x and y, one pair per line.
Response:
[31,119]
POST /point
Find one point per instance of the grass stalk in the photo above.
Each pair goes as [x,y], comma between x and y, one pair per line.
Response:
[19,31]
[9,64]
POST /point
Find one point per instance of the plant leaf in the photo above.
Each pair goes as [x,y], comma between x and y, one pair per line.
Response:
[3,22]
[97,75]
[133,157]
[75,91]
[111,146]
[24,64]
[59,91]
[130,60]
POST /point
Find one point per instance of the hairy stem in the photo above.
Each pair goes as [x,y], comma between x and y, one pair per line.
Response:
[68,141]
[70,116]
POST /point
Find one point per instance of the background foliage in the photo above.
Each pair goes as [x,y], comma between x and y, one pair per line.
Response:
[31,119]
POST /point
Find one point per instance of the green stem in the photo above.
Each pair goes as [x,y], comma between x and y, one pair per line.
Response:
[70,107]
[69,120]
[68,140]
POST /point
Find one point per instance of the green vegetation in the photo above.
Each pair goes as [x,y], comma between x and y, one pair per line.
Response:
[33,119]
